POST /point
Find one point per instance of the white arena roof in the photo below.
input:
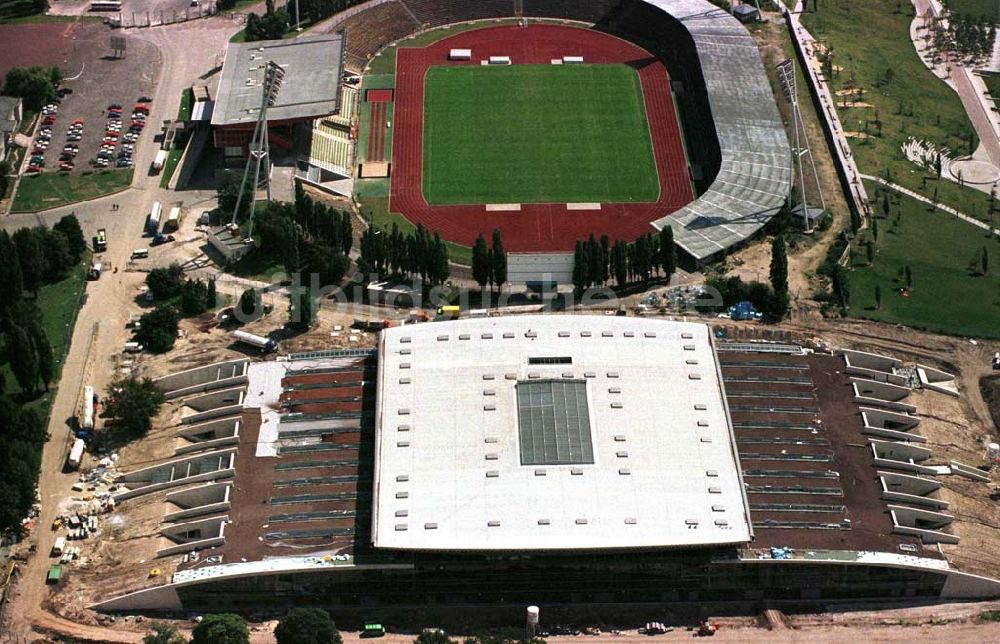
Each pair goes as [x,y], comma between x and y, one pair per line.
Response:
[553,433]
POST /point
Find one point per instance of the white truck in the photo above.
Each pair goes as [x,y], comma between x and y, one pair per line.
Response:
[76,454]
[159,161]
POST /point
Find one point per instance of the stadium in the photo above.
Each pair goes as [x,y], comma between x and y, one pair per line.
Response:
[549,121]
[493,463]
[567,461]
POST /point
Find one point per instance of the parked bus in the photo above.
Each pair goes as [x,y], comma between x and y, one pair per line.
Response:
[87,413]
[105,5]
[76,454]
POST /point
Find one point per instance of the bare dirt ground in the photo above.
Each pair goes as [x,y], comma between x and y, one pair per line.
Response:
[753,262]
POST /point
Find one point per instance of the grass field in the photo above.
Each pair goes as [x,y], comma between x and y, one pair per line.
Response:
[536,134]
[867,39]
[946,296]
[53,189]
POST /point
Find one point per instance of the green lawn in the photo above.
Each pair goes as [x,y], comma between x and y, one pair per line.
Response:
[58,303]
[536,134]
[946,297]
[53,189]
[868,39]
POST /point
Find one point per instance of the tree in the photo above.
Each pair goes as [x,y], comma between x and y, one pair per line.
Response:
[133,403]
[32,84]
[69,225]
[878,297]
[228,194]
[480,262]
[22,433]
[158,329]
[668,252]
[22,358]
[249,306]
[329,265]
[499,261]
[301,312]
[307,626]
[222,628]
[194,298]
[580,265]
[779,266]
[166,283]
[619,262]
[984,266]
[841,288]
[58,258]
[43,350]
[31,255]
[210,295]
[163,634]
[908,276]
[870,253]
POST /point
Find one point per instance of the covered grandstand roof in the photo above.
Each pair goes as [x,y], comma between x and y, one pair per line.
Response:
[755,175]
[310,87]
[553,433]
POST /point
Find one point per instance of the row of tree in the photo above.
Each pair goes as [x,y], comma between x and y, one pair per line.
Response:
[22,434]
[36,256]
[398,254]
[489,265]
[35,85]
[308,626]
[595,261]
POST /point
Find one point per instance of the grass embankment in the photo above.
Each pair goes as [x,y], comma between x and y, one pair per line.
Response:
[536,134]
[176,150]
[946,296]
[54,189]
[385,62]
[867,40]
[58,303]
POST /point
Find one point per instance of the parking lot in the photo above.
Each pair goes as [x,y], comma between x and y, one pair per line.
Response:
[78,132]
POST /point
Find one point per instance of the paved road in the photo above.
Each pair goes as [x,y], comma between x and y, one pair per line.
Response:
[919,197]
[189,52]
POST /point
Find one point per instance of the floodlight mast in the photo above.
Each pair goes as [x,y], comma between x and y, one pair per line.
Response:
[800,143]
[259,149]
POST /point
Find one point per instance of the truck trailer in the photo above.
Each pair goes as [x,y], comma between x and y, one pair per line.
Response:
[266,345]
[87,409]
[159,161]
[153,221]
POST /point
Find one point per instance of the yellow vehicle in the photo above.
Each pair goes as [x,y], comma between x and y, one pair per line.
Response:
[449,312]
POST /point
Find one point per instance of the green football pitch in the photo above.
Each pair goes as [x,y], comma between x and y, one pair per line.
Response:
[536,134]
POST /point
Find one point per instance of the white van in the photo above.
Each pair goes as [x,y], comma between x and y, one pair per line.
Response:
[133,347]
[140,253]
[58,547]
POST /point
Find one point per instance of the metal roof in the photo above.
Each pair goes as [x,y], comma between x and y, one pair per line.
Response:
[755,174]
[630,447]
[310,87]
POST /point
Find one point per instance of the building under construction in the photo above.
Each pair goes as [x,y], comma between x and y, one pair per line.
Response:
[572,460]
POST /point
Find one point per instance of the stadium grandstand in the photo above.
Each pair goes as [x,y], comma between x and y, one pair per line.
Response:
[310,89]
[530,459]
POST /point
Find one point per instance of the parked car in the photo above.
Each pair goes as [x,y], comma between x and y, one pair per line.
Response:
[145,99]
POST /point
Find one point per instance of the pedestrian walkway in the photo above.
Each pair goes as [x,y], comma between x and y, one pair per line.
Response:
[814,76]
[942,207]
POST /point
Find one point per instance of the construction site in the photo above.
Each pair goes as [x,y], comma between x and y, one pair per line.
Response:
[859,474]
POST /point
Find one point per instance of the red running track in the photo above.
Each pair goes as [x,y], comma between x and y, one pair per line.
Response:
[536,227]
[379,99]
